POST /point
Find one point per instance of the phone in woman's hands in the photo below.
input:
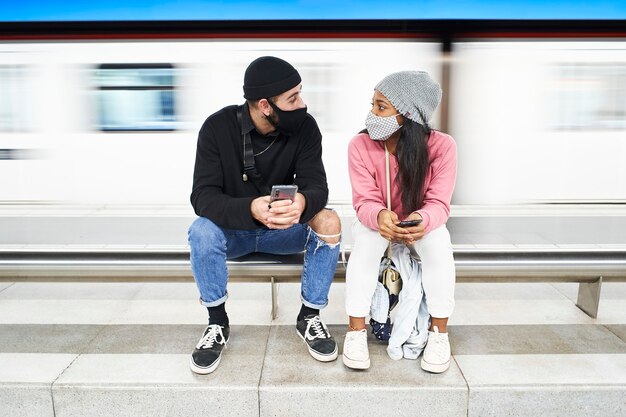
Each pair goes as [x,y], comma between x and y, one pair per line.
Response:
[409,223]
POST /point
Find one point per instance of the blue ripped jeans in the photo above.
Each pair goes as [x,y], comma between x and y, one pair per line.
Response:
[212,245]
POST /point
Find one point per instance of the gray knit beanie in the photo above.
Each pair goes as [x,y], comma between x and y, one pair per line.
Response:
[413,93]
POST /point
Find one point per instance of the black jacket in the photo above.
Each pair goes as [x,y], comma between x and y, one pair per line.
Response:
[219,192]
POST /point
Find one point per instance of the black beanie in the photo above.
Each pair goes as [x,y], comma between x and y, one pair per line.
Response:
[267,77]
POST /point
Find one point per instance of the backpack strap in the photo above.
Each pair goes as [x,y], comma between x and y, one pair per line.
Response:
[249,170]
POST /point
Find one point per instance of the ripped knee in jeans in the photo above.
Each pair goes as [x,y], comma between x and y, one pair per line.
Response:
[327,227]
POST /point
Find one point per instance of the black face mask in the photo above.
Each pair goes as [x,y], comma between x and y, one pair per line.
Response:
[289,122]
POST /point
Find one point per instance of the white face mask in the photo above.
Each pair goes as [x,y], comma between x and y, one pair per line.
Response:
[381,128]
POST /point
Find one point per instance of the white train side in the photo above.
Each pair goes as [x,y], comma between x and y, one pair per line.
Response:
[514,109]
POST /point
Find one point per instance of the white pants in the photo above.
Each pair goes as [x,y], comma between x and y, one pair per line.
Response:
[438,273]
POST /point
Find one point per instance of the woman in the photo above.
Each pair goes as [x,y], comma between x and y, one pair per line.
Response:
[423,173]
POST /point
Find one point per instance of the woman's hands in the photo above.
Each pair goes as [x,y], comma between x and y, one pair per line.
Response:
[388,229]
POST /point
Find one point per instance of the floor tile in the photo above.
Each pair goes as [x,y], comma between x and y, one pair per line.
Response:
[289,303]
[25,381]
[47,338]
[146,339]
[60,311]
[618,329]
[162,384]
[400,388]
[39,368]
[502,312]
[70,291]
[535,339]
[612,311]
[506,291]
[546,385]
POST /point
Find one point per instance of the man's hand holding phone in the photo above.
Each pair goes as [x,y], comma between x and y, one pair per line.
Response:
[285,207]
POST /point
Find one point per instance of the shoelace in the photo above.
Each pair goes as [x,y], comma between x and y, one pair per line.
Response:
[211,337]
[437,346]
[358,348]
[318,329]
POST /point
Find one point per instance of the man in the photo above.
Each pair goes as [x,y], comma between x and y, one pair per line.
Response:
[243,151]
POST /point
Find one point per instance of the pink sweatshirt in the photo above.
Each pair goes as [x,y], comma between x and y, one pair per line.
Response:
[366,161]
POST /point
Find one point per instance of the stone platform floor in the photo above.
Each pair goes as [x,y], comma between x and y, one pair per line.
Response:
[122,349]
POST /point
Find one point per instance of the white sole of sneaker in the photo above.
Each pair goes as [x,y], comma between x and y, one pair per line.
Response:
[352,364]
[322,358]
[203,371]
[435,368]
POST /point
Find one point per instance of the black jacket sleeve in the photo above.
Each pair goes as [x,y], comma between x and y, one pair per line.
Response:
[310,173]
[207,196]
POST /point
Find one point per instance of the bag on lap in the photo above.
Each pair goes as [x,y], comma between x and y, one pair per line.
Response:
[389,276]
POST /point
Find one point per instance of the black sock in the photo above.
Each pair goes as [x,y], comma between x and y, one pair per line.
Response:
[217,315]
[305,311]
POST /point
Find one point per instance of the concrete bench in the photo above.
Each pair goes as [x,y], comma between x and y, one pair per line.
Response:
[588,267]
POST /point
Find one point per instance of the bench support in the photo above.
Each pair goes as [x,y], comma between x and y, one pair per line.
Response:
[589,297]
[274,298]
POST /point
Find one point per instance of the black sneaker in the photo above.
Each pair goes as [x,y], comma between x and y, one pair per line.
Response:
[314,332]
[208,352]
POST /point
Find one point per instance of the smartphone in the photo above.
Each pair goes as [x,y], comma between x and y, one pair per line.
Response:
[283,192]
[409,223]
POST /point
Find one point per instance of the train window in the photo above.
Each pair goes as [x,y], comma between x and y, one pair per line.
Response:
[317,87]
[12,105]
[136,97]
[590,96]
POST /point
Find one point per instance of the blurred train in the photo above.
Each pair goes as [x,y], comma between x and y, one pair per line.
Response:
[109,113]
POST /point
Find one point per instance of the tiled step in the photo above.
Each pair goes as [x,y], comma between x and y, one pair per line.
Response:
[293,384]
[83,350]
[545,385]
[142,370]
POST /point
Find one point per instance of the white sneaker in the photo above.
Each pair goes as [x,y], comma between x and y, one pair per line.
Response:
[355,353]
[436,356]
